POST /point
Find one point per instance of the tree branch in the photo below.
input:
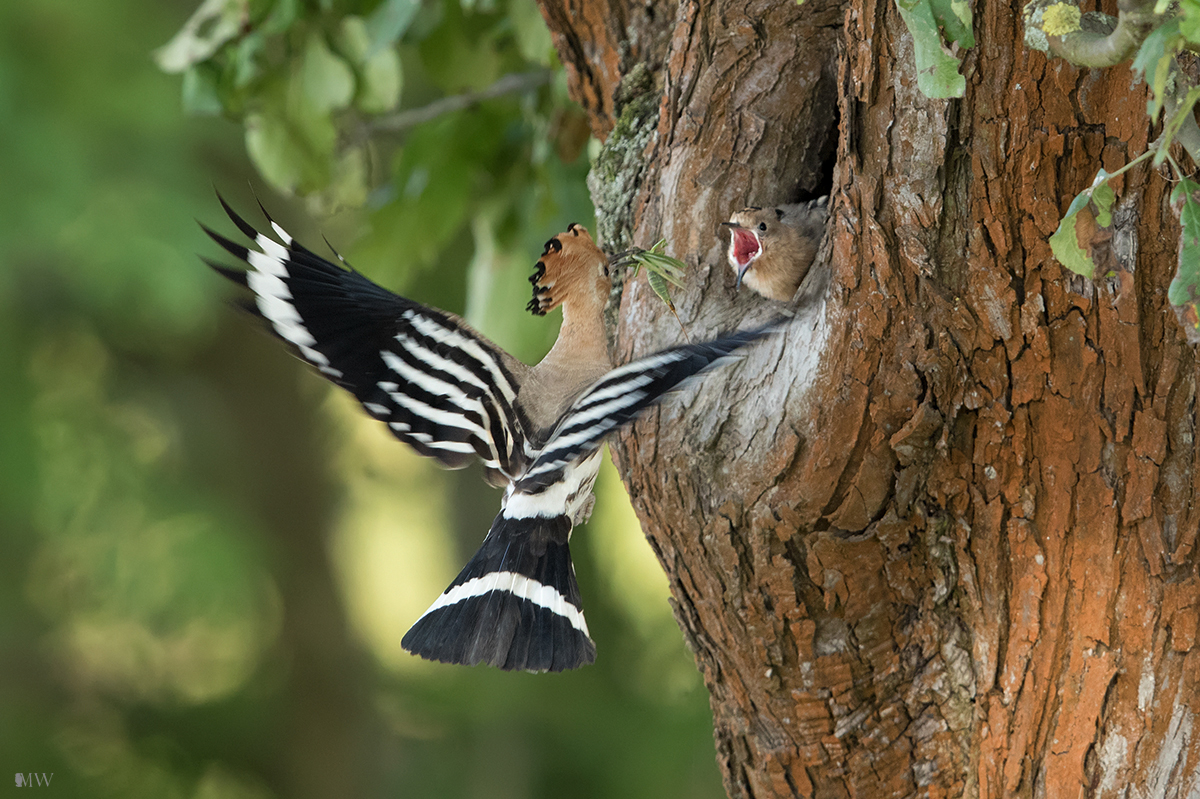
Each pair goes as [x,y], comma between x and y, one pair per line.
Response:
[1092,39]
[402,121]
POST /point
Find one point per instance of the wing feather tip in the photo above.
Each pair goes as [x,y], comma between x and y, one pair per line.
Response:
[247,229]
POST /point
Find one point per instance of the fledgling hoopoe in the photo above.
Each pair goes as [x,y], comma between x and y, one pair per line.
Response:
[772,249]
[453,395]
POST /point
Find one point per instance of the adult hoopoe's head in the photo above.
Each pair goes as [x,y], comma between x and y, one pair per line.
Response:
[571,269]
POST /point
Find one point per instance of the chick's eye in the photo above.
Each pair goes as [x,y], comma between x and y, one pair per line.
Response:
[762,226]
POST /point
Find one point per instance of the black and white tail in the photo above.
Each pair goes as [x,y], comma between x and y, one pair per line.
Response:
[515,606]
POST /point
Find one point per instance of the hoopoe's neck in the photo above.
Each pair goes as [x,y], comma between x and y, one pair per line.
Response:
[582,340]
[578,358]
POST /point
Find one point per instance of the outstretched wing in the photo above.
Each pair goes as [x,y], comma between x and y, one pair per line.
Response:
[437,384]
[621,395]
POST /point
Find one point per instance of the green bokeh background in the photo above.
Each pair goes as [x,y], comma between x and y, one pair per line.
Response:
[207,556]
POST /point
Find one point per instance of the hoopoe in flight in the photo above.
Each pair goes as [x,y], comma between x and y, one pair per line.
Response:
[772,249]
[452,395]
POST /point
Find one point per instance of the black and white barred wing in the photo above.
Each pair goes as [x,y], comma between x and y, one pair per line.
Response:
[437,384]
[619,396]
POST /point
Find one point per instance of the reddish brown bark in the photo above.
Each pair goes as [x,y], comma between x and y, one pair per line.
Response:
[939,539]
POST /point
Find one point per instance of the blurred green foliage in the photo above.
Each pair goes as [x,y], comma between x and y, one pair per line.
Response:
[209,557]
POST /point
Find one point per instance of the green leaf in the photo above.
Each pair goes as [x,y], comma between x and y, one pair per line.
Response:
[1078,231]
[1150,51]
[353,40]
[660,286]
[382,81]
[657,263]
[284,14]
[954,16]
[1184,291]
[1065,241]
[290,142]
[1180,114]
[350,183]
[200,96]
[670,268]
[530,31]
[245,59]
[1103,198]
[444,168]
[1153,62]
[458,54]
[937,69]
[379,75]
[275,153]
[1189,20]
[389,22]
[214,23]
[661,271]
[290,132]
[325,81]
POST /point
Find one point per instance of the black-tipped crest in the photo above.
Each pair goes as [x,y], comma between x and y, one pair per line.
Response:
[569,266]
[541,301]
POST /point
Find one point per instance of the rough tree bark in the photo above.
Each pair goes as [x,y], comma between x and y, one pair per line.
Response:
[940,538]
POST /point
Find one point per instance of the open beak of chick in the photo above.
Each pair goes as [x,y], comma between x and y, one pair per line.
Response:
[744,248]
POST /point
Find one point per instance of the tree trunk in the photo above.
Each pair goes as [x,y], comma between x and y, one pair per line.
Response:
[938,539]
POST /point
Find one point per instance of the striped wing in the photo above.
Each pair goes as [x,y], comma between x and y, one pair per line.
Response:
[437,384]
[618,397]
